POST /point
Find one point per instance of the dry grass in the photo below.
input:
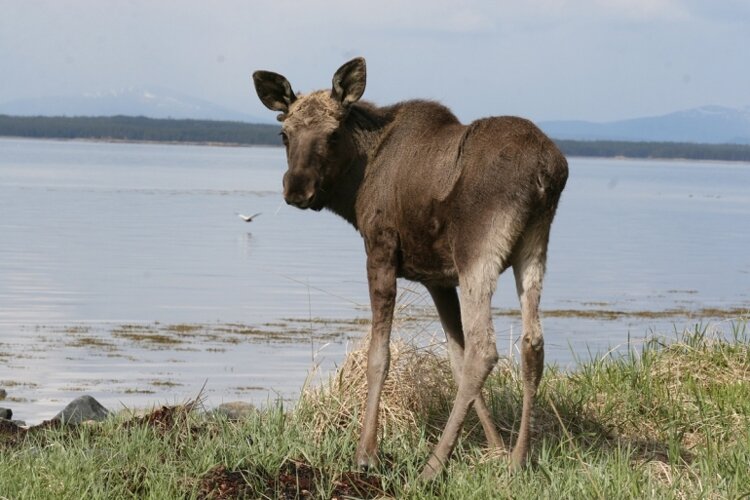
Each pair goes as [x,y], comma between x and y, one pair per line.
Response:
[419,381]
[704,363]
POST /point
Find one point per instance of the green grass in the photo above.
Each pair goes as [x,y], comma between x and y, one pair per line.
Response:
[670,421]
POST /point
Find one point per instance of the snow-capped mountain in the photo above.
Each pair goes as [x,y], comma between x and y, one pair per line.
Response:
[152,102]
[708,124]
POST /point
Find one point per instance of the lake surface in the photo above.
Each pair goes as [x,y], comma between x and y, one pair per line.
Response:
[125,273]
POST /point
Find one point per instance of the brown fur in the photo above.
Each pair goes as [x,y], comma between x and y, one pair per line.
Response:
[437,202]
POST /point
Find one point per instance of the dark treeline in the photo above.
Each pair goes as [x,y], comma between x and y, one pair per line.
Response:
[128,128]
[139,128]
[665,150]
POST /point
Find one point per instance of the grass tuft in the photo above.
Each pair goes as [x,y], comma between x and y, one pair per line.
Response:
[418,390]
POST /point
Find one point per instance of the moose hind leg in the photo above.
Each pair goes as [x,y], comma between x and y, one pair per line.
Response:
[449,310]
[480,354]
[528,267]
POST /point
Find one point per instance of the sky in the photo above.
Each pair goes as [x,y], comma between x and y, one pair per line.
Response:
[597,60]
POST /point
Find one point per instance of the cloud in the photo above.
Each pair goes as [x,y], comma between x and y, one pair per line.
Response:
[438,16]
[594,59]
[644,10]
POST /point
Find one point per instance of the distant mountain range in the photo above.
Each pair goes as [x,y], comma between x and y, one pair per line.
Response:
[151,102]
[707,124]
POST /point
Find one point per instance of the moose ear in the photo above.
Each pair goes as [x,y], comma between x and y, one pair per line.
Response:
[349,81]
[274,91]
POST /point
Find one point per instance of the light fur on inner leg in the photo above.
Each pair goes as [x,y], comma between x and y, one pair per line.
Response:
[529,267]
[378,361]
[448,306]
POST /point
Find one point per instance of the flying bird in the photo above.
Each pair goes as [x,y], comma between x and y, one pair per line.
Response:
[248,218]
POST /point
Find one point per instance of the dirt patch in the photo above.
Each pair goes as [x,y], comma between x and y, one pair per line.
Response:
[221,483]
[295,479]
[11,435]
[298,479]
[358,485]
[172,422]
[163,419]
[9,431]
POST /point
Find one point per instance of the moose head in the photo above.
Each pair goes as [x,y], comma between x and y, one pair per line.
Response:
[319,148]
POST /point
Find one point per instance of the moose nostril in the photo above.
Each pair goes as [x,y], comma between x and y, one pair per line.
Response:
[300,200]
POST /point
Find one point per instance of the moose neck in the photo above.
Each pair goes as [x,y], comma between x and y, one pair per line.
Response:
[367,124]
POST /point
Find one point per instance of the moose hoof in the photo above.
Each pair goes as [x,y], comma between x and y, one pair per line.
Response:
[366,462]
[517,462]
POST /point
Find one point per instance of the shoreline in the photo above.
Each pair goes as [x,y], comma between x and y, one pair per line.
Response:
[162,349]
[221,144]
[103,140]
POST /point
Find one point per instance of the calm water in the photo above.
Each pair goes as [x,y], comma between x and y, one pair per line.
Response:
[125,273]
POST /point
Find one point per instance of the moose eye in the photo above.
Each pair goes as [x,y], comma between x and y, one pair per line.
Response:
[333,139]
[284,138]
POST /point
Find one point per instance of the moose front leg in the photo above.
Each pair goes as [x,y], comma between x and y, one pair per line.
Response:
[381,278]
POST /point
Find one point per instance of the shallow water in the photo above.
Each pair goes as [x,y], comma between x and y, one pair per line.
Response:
[125,273]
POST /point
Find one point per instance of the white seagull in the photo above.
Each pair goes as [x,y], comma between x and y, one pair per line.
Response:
[247,218]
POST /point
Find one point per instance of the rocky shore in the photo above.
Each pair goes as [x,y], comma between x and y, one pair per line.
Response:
[87,409]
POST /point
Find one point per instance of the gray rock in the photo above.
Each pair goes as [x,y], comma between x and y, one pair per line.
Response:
[6,413]
[82,409]
[235,410]
[3,394]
